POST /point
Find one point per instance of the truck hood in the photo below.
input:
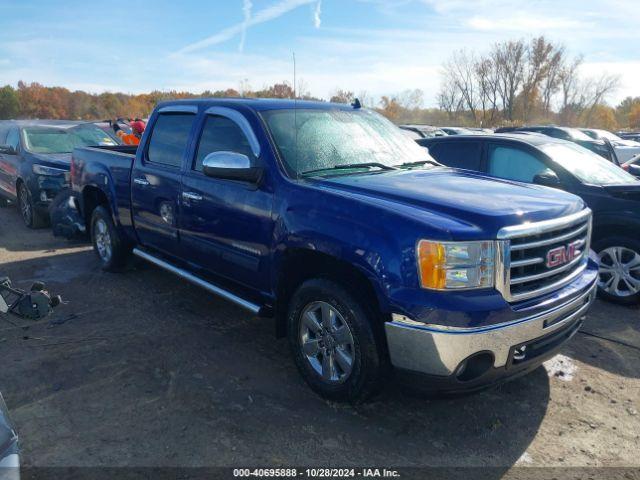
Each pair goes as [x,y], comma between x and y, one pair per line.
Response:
[465,195]
[59,160]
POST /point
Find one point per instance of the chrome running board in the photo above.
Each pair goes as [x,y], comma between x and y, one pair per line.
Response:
[210,287]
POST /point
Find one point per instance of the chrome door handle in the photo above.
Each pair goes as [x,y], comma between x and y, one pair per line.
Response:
[191,196]
[141,181]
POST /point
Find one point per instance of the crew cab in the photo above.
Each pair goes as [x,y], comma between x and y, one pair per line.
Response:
[35,158]
[612,194]
[372,257]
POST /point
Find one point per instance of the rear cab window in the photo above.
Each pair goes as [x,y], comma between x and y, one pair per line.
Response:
[169,139]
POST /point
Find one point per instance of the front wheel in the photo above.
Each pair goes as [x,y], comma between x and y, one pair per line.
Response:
[333,342]
[619,275]
[106,241]
[30,216]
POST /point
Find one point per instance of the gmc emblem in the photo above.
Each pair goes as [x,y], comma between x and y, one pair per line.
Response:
[561,255]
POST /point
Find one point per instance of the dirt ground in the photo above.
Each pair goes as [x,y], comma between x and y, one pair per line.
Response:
[143,369]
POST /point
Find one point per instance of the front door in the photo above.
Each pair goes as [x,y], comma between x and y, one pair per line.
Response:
[226,225]
[155,180]
[9,164]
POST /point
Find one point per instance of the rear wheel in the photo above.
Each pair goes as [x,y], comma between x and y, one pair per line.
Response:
[334,345]
[107,243]
[619,276]
[30,216]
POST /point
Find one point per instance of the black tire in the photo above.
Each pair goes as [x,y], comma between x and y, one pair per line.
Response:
[31,217]
[369,363]
[606,248]
[107,244]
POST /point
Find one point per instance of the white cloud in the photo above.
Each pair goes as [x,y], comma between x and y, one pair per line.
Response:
[528,23]
[267,14]
[246,12]
[316,14]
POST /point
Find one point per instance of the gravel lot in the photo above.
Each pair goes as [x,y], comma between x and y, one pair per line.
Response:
[143,369]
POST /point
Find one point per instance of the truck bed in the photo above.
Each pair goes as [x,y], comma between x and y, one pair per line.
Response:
[108,169]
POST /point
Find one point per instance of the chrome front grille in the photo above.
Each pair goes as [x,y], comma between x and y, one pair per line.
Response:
[538,258]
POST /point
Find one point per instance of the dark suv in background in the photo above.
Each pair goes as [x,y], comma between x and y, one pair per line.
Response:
[602,148]
[612,194]
[35,157]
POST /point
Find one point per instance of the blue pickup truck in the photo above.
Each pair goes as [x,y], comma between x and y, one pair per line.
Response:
[372,258]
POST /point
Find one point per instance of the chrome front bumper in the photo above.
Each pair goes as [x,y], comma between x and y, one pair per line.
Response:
[10,467]
[439,350]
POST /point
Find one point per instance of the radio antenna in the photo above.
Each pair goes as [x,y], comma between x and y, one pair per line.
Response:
[295,114]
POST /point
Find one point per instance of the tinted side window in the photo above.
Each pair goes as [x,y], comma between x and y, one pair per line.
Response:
[554,132]
[221,134]
[458,154]
[169,138]
[514,164]
[13,139]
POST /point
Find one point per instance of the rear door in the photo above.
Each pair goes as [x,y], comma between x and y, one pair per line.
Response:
[156,179]
[226,225]
[465,154]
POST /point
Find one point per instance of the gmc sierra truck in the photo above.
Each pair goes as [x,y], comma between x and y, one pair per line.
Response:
[373,258]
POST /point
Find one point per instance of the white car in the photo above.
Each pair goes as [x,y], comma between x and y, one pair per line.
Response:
[625,149]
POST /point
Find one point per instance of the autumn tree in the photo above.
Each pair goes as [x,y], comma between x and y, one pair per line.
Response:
[9,103]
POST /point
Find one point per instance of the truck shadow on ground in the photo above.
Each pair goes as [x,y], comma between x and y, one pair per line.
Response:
[142,369]
[610,339]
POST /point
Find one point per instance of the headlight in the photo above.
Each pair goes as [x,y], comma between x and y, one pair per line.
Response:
[50,171]
[456,265]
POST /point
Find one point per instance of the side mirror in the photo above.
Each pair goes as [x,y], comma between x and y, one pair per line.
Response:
[634,170]
[548,178]
[7,150]
[231,166]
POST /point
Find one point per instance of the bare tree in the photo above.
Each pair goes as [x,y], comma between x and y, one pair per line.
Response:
[509,58]
[461,72]
[487,79]
[598,90]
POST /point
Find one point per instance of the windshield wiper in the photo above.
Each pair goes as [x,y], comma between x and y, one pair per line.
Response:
[418,163]
[350,166]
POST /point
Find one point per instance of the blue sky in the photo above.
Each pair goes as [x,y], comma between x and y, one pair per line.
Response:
[381,47]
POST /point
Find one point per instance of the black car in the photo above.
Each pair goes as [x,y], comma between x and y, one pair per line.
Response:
[422,131]
[602,148]
[35,157]
[612,194]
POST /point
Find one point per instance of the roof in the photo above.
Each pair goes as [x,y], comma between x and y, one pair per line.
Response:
[260,104]
[42,123]
[534,140]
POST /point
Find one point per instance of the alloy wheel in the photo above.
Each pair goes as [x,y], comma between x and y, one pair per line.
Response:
[327,342]
[102,240]
[25,204]
[619,271]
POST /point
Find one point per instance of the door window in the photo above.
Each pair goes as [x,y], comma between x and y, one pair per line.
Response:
[221,134]
[13,139]
[457,154]
[169,139]
[514,164]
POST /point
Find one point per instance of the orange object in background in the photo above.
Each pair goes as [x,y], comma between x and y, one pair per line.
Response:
[128,138]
